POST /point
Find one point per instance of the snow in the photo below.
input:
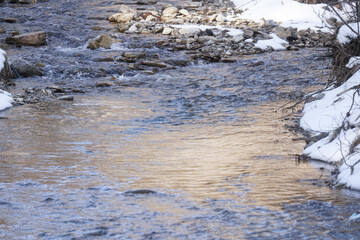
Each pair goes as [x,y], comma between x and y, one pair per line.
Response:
[5,97]
[353,62]
[348,32]
[337,113]
[193,27]
[275,43]
[5,100]
[289,13]
[2,59]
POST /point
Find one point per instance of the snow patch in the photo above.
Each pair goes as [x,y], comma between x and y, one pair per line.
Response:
[2,59]
[348,32]
[289,13]
[275,43]
[353,62]
[5,100]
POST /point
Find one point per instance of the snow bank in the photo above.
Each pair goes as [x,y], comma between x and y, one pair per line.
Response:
[5,97]
[289,12]
[348,32]
[337,112]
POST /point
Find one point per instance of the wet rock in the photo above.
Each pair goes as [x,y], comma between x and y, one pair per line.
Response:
[134,55]
[154,64]
[25,68]
[2,30]
[56,89]
[146,2]
[139,192]
[9,20]
[65,98]
[28,39]
[102,41]
[104,84]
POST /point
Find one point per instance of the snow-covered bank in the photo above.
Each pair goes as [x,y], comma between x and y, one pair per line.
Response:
[336,111]
[5,97]
[289,13]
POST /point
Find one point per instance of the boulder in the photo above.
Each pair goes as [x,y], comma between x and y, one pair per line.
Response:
[285,33]
[169,11]
[25,68]
[28,39]
[102,41]
[127,10]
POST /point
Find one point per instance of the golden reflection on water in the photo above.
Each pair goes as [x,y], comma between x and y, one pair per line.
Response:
[249,161]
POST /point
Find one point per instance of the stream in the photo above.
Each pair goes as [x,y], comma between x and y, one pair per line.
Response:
[196,152]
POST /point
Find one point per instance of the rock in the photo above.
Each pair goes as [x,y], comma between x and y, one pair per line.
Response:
[25,68]
[127,10]
[6,72]
[125,14]
[66,98]
[2,30]
[135,55]
[237,38]
[56,89]
[248,33]
[285,33]
[28,39]
[102,41]
[104,84]
[190,31]
[154,64]
[184,12]
[151,18]
[139,192]
[146,2]
[220,18]
[120,17]
[167,31]
[136,28]
[169,11]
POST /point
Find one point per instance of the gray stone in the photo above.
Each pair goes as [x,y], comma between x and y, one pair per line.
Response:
[25,68]
[285,33]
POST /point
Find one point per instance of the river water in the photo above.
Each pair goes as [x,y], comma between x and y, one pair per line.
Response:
[197,152]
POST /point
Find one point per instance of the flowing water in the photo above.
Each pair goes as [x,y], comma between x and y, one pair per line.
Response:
[197,152]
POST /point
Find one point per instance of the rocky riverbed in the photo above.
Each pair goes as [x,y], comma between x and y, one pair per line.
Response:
[127,38]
